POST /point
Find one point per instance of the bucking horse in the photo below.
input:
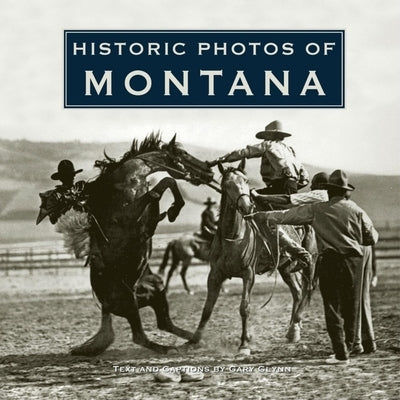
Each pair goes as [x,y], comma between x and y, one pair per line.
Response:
[240,249]
[124,215]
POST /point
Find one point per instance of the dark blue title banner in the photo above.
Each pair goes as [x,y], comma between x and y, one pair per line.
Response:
[211,69]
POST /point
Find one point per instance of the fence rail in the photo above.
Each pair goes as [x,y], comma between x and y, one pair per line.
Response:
[36,256]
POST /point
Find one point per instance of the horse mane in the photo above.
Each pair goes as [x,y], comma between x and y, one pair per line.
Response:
[151,142]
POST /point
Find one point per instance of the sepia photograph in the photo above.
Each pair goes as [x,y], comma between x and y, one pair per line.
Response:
[199,200]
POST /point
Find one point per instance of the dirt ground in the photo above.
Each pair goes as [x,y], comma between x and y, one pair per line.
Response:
[44,314]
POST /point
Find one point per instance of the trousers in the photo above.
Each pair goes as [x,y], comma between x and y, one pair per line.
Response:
[339,281]
[364,340]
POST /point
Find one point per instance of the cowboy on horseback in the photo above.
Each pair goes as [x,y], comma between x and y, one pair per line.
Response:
[56,202]
[208,221]
[281,172]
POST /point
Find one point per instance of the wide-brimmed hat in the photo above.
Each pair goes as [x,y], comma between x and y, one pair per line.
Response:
[209,201]
[338,179]
[65,169]
[272,131]
[319,179]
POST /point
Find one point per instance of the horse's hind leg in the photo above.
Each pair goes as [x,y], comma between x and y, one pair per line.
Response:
[171,271]
[214,283]
[291,279]
[160,306]
[100,341]
[248,282]
[138,335]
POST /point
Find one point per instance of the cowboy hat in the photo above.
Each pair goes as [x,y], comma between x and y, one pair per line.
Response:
[319,179]
[209,201]
[338,179]
[65,168]
[272,131]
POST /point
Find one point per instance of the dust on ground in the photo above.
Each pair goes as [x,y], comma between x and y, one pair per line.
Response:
[44,314]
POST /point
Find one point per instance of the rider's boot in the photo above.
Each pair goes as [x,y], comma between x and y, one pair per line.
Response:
[296,251]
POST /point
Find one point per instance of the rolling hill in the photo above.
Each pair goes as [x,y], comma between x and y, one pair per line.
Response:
[25,169]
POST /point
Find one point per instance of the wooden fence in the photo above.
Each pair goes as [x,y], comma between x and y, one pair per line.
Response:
[52,255]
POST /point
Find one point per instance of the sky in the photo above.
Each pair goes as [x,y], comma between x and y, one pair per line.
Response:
[362,137]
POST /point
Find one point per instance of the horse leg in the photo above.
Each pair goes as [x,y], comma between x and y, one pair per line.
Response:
[214,283]
[138,335]
[291,279]
[100,341]
[161,187]
[178,203]
[171,271]
[248,282]
[160,306]
[164,262]
[185,265]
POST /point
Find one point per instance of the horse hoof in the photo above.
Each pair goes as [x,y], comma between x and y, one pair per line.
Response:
[294,339]
[293,334]
[244,352]
[172,213]
[86,351]
[186,347]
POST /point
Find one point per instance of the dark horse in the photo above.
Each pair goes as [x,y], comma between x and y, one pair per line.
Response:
[239,251]
[184,249]
[124,217]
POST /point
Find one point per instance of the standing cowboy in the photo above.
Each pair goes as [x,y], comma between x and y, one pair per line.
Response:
[57,201]
[281,172]
[208,221]
[343,230]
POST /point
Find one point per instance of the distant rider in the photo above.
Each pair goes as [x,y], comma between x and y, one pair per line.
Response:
[208,221]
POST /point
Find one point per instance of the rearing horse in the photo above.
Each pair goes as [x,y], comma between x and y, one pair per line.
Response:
[125,215]
[239,251]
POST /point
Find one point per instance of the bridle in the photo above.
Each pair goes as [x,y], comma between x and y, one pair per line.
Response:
[185,176]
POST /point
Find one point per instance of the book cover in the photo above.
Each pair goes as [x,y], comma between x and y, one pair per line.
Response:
[83,79]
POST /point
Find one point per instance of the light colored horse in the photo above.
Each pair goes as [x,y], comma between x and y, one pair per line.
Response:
[239,251]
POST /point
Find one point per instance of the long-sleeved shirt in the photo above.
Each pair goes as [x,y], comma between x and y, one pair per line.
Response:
[277,161]
[340,225]
[313,196]
[58,201]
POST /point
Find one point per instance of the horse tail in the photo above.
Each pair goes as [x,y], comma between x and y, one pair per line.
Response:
[165,259]
[310,276]
[309,281]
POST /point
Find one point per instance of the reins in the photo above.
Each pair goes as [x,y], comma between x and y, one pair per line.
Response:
[186,176]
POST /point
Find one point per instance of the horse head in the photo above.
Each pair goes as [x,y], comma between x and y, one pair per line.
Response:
[149,156]
[196,171]
[235,187]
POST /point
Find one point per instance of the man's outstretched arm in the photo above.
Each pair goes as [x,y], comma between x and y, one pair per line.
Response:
[295,216]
